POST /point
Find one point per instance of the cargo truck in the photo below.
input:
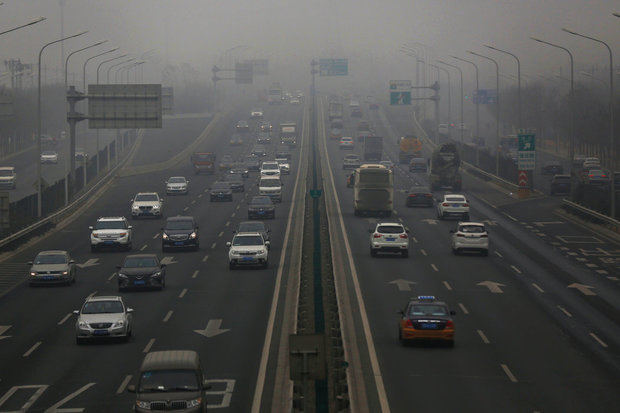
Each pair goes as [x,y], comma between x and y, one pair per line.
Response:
[373,148]
[288,133]
[373,190]
[409,147]
[445,163]
[335,111]
[275,94]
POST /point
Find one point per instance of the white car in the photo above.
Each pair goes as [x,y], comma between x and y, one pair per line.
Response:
[177,185]
[295,101]
[346,142]
[49,157]
[351,161]
[453,205]
[271,186]
[270,168]
[111,232]
[248,248]
[146,204]
[285,166]
[470,236]
[389,237]
[256,113]
[444,129]
[8,177]
[103,317]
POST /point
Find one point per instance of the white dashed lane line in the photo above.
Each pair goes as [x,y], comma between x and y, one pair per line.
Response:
[509,373]
[167,317]
[601,342]
[111,276]
[423,252]
[156,235]
[193,202]
[483,336]
[498,254]
[65,318]
[518,271]
[414,239]
[143,247]
[220,234]
[538,287]
[149,345]
[447,285]
[213,245]
[511,217]
[195,274]
[32,349]
[183,293]
[206,257]
[124,383]
[233,214]
[463,308]
[562,309]
[435,268]
[186,208]
[227,223]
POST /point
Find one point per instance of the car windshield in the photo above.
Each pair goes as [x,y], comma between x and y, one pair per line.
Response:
[146,198]
[428,310]
[261,200]
[455,199]
[140,262]
[180,224]
[6,172]
[390,229]
[103,307]
[270,165]
[176,180]
[220,186]
[251,227]
[50,259]
[270,183]
[472,229]
[352,158]
[246,240]
[161,381]
[49,153]
[111,225]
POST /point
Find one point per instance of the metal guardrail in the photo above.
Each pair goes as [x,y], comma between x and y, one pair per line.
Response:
[491,176]
[56,216]
[591,213]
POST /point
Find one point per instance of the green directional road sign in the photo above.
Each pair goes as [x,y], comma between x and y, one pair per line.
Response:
[527,142]
[400,98]
[333,67]
[526,157]
[316,193]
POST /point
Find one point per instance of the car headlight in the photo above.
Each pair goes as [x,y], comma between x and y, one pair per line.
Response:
[194,402]
[65,272]
[82,324]
[156,274]
[143,405]
[156,206]
[135,207]
[119,323]
[234,253]
[95,235]
[164,236]
[192,235]
[120,275]
[32,273]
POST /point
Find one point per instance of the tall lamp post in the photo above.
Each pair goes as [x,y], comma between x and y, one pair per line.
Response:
[520,119]
[117,64]
[443,69]
[497,112]
[106,61]
[39,209]
[477,105]
[88,60]
[612,149]
[461,126]
[74,52]
[38,20]
[571,123]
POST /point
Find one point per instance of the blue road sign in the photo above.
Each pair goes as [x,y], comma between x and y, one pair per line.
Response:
[333,67]
[485,96]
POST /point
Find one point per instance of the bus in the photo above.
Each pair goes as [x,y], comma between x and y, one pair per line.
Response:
[373,190]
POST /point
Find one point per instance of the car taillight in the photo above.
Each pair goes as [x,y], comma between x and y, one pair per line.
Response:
[449,324]
[465,205]
[404,236]
[484,236]
[412,195]
[460,235]
[591,176]
[408,324]
[429,195]
[375,235]
[445,204]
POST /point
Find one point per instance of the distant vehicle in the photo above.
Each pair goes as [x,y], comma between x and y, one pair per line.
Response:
[236,140]
[283,151]
[453,205]
[295,101]
[259,150]
[248,249]
[470,236]
[146,204]
[254,226]
[288,133]
[389,237]
[271,186]
[263,138]
[388,164]
[220,191]
[81,155]
[274,96]
[177,185]
[560,185]
[240,168]
[226,162]
[242,126]
[285,167]
[180,232]
[52,267]
[335,134]
[336,124]
[261,207]
[49,157]
[334,111]
[445,163]
[8,177]
[103,317]
[353,104]
[346,142]
[552,168]
[351,161]
[252,163]
[112,232]
[141,271]
[426,318]
[235,180]
[420,196]
[356,113]
[203,162]
[373,148]
[373,191]
[598,177]
[256,113]
[418,165]
[265,126]
[409,147]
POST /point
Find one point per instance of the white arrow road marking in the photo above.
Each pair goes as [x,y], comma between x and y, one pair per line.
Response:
[403,285]
[213,328]
[542,224]
[490,222]
[40,389]
[430,221]
[584,289]
[3,330]
[493,286]
[168,260]
[89,263]
[55,408]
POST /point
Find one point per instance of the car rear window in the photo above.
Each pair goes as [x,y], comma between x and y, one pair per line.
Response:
[390,229]
[472,229]
[428,310]
[455,199]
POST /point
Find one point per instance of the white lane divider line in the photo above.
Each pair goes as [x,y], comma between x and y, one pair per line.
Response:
[193,202]
[483,336]
[111,276]
[195,274]
[65,318]
[167,317]
[186,208]
[601,342]
[206,190]
[414,239]
[149,345]
[509,373]
[447,285]
[590,265]
[227,223]
[91,295]
[435,267]
[498,254]
[463,308]
[220,234]
[238,207]
[205,258]
[423,252]
[200,196]
[400,219]
[213,245]
[32,349]
[511,217]
[602,272]
[562,309]
[538,287]
[518,271]
[233,214]
[156,235]
[395,212]
[124,384]
[142,248]
[183,293]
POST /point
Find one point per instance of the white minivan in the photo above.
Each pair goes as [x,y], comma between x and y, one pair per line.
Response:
[271,186]
[270,168]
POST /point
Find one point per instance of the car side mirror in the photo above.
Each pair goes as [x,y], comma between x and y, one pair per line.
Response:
[228,244]
[71,261]
[130,227]
[76,312]
[267,243]
[131,388]
[90,228]
[206,385]
[452,312]
[130,310]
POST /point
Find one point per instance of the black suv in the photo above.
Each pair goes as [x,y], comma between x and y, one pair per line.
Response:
[235,180]
[221,191]
[283,152]
[252,163]
[141,271]
[560,184]
[261,207]
[180,232]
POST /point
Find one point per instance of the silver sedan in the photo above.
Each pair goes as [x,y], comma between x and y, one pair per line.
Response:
[103,317]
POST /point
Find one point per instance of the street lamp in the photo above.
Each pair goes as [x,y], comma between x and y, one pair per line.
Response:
[449,93]
[88,60]
[128,69]
[518,80]
[477,101]
[74,52]
[39,116]
[497,113]
[120,70]
[413,54]
[571,123]
[592,78]
[40,19]
[106,61]
[461,126]
[117,64]
[612,149]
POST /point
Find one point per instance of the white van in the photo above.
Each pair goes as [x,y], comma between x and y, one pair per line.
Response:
[271,186]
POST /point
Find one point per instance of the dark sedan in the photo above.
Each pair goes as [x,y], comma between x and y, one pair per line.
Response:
[560,185]
[235,180]
[252,163]
[180,232]
[261,207]
[221,191]
[141,271]
[284,151]
[420,196]
[552,168]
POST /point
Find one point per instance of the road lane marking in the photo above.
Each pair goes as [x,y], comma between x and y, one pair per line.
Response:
[32,349]
[91,295]
[213,245]
[35,396]
[149,345]
[435,268]
[447,285]
[124,384]
[518,271]
[601,342]
[111,276]
[167,317]
[562,309]
[206,190]
[156,235]
[142,248]
[233,214]
[509,373]
[602,272]
[200,196]
[395,212]
[220,234]
[498,254]
[463,308]
[193,201]
[511,217]
[183,293]
[538,287]
[195,274]
[205,258]
[423,252]
[591,265]
[186,208]
[414,239]
[55,408]
[483,336]
[227,223]
[238,207]
[65,318]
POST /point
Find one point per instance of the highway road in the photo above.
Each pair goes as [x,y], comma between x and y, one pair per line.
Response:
[222,314]
[526,340]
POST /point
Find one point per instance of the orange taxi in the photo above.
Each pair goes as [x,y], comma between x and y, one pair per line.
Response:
[426,318]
